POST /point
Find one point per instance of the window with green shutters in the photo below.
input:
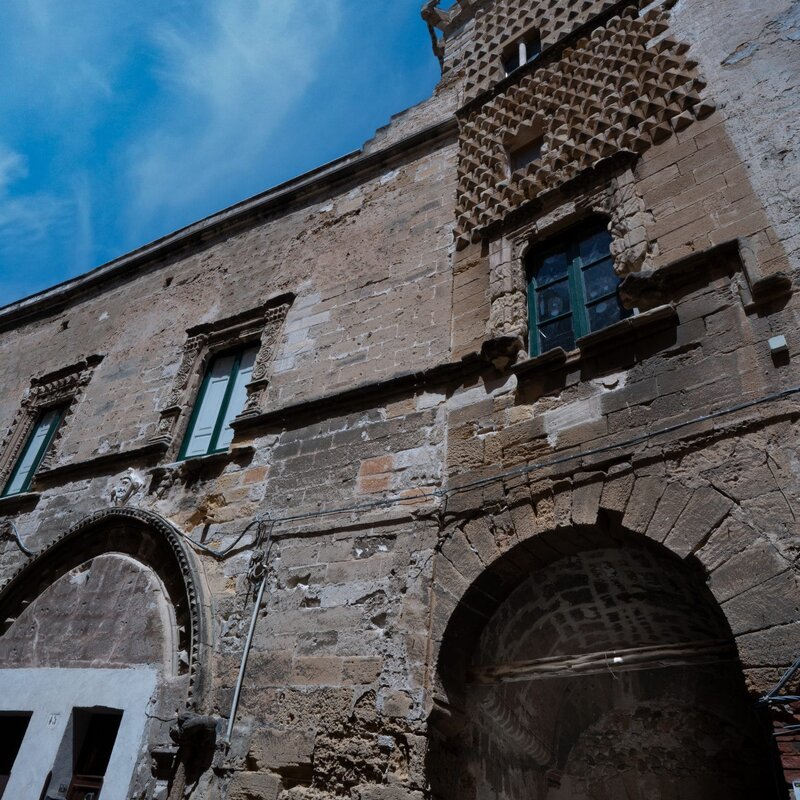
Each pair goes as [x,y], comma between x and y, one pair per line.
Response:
[39,439]
[222,396]
[572,288]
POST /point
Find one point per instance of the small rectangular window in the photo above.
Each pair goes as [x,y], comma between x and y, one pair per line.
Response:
[522,51]
[222,397]
[12,731]
[520,157]
[39,439]
[572,288]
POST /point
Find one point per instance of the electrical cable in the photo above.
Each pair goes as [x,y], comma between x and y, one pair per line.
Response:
[257,571]
[18,540]
[371,505]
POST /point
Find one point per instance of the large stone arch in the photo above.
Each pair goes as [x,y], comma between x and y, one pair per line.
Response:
[145,538]
[491,582]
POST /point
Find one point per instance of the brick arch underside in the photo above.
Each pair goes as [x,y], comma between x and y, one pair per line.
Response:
[131,545]
[518,717]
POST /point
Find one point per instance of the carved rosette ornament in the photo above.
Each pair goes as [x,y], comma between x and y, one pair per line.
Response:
[60,388]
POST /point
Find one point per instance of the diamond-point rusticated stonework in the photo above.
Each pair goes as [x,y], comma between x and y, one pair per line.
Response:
[623,87]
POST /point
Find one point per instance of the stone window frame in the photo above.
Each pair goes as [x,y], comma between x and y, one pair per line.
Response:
[262,324]
[62,387]
[529,39]
[568,244]
[616,199]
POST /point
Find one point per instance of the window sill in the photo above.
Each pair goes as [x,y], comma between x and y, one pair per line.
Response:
[628,329]
[12,503]
[93,466]
[616,335]
[191,467]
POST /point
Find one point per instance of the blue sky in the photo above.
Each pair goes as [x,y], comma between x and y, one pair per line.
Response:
[122,120]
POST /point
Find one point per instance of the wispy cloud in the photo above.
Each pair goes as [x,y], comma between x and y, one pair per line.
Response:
[24,218]
[230,80]
[12,166]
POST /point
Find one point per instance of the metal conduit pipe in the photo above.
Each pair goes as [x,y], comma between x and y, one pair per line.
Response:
[258,568]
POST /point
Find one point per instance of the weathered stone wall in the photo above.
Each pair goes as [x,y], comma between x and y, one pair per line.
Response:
[410,469]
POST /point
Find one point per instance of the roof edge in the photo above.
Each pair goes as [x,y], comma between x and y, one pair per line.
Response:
[307,185]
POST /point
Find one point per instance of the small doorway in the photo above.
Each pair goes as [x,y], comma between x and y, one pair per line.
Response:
[13,726]
[84,754]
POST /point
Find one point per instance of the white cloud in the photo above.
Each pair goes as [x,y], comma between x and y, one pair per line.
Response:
[12,167]
[229,80]
[24,218]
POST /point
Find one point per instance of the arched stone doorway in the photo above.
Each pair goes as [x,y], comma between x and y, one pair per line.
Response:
[594,665]
[103,629]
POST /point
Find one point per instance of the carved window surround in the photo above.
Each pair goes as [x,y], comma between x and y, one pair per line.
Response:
[262,324]
[615,198]
[60,388]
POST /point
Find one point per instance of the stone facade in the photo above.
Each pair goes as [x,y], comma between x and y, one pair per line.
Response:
[431,565]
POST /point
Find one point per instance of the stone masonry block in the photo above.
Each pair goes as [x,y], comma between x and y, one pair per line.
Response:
[773,602]
[642,503]
[704,511]
[616,492]
[586,502]
[669,508]
[458,551]
[255,786]
[273,748]
[743,570]
[361,670]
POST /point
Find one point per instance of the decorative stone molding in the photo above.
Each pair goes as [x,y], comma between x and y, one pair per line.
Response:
[621,88]
[616,199]
[262,324]
[149,539]
[62,387]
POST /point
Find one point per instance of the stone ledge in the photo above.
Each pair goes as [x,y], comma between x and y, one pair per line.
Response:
[619,333]
[12,503]
[92,466]
[190,467]
[628,329]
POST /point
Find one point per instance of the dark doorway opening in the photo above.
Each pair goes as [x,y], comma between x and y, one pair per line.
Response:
[13,726]
[605,673]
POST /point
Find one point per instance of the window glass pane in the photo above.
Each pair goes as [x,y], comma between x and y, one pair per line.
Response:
[553,301]
[606,312]
[533,47]
[556,334]
[238,397]
[34,451]
[527,154]
[600,280]
[553,266]
[595,246]
[512,60]
[212,396]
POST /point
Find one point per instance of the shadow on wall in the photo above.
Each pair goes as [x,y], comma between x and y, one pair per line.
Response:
[602,670]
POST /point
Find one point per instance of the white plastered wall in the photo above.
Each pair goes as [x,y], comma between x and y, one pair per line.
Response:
[51,694]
